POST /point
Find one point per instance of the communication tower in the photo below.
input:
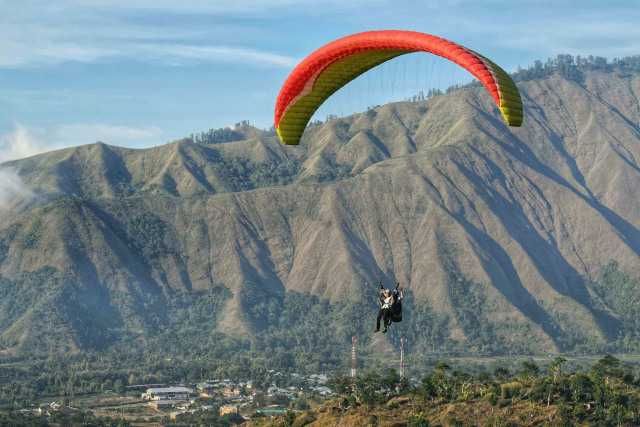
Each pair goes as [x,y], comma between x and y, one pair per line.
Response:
[354,359]
[402,357]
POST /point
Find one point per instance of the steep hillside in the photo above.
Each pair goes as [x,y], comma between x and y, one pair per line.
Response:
[497,233]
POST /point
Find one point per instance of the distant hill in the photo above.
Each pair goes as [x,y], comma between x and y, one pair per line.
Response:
[501,236]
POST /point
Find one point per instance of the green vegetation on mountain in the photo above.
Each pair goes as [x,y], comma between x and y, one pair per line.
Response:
[184,346]
[620,292]
[573,68]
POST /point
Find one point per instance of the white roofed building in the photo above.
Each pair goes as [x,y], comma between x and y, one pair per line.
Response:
[167,393]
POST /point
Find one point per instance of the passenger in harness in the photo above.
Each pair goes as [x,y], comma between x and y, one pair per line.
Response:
[396,307]
[390,307]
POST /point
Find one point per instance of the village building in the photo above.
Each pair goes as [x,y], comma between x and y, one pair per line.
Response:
[231,391]
[207,389]
[228,409]
[167,393]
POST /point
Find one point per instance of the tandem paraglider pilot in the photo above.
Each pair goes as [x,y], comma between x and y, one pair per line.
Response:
[390,307]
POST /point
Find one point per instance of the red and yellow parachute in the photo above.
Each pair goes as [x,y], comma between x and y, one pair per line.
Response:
[332,66]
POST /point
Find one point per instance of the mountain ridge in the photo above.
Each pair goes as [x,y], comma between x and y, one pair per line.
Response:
[483,224]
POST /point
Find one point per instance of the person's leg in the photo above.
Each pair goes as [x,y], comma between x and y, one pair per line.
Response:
[380,313]
[386,319]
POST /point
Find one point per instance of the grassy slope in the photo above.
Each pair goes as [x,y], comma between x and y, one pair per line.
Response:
[403,411]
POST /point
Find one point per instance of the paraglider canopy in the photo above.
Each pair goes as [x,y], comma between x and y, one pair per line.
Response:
[332,66]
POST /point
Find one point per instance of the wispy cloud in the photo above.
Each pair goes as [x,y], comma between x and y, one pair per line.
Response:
[33,34]
[13,191]
[20,143]
[175,53]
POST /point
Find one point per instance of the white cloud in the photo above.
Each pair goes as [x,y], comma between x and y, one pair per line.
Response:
[176,53]
[13,190]
[34,34]
[20,143]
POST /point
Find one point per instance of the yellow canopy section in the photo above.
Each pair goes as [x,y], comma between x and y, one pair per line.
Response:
[329,80]
[510,101]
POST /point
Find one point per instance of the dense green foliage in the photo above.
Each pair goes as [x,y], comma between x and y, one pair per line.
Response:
[607,394]
[60,304]
[220,135]
[203,418]
[573,68]
[294,332]
[285,323]
[247,175]
[620,292]
[17,419]
[169,336]
[88,318]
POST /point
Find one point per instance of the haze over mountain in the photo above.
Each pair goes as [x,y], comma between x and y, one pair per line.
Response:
[502,232]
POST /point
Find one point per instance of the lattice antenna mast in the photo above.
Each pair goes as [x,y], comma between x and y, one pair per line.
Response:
[354,359]
[401,357]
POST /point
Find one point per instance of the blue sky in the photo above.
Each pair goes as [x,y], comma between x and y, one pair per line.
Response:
[143,72]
